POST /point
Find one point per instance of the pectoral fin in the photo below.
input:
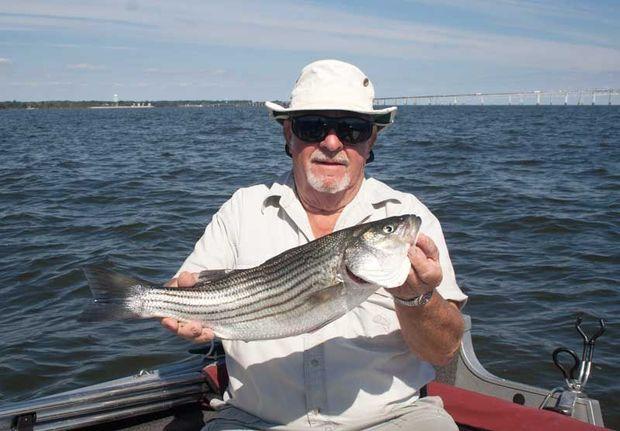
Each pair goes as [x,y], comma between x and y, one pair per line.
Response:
[327,294]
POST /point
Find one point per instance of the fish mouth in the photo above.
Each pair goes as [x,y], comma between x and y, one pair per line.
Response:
[409,230]
[354,277]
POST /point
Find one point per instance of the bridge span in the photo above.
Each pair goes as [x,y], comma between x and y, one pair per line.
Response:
[600,96]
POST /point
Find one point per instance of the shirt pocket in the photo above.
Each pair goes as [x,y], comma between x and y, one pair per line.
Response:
[376,316]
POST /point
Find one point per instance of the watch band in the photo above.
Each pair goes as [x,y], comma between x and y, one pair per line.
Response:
[417,301]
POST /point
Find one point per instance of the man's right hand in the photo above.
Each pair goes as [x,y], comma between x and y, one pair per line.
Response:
[193,331]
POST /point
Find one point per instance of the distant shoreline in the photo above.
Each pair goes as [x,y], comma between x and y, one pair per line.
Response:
[140,104]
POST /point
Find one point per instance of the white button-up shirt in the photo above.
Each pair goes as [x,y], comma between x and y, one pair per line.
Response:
[355,369]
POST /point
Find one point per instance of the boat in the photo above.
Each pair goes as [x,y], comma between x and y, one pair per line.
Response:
[179,396]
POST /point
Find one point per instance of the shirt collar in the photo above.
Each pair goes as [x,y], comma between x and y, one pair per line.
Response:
[281,193]
[371,196]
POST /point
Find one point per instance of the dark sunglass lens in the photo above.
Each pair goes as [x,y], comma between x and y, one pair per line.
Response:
[310,128]
[354,130]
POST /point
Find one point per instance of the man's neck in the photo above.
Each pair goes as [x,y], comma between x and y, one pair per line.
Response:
[324,209]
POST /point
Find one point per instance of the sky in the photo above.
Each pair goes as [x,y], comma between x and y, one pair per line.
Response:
[214,50]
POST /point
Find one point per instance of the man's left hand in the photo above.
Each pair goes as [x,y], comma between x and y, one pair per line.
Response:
[425,274]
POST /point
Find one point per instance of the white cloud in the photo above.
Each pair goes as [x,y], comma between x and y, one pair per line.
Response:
[187,72]
[40,44]
[389,38]
[41,83]
[85,67]
[6,68]
[307,27]
[25,83]
[556,19]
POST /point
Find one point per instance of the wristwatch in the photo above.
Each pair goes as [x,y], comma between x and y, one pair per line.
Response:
[417,301]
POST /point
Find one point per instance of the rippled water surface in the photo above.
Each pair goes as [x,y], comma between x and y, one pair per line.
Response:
[528,198]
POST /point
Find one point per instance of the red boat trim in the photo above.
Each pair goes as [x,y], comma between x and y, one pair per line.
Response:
[488,413]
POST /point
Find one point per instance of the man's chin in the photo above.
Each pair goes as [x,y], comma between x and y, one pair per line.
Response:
[328,185]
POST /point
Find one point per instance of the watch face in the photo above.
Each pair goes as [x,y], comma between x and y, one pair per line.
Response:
[425,298]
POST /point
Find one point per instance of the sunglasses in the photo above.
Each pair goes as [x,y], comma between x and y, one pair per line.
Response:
[314,128]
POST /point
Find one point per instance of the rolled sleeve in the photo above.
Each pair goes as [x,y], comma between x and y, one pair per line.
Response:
[448,288]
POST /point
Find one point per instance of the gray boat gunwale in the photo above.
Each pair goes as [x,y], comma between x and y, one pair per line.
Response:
[182,383]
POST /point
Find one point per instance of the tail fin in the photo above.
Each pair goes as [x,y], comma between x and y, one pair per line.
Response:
[112,294]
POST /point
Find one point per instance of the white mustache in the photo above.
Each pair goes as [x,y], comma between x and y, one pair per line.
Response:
[319,156]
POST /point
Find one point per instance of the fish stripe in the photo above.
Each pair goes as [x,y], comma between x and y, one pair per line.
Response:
[294,292]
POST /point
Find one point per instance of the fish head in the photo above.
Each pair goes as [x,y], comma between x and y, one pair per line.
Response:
[377,251]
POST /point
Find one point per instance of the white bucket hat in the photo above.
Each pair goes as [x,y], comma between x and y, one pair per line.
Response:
[333,85]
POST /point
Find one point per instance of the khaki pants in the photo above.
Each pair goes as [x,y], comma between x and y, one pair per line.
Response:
[426,414]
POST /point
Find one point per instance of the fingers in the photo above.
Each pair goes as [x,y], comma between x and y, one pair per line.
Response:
[172,283]
[426,270]
[427,245]
[414,281]
[205,336]
[170,324]
[192,331]
[187,279]
[195,332]
[413,286]
[424,257]
[189,330]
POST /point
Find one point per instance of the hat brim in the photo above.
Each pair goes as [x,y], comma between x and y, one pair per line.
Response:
[381,117]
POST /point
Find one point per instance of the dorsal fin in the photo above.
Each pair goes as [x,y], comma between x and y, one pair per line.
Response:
[211,275]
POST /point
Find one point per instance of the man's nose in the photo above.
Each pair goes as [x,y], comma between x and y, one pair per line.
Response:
[332,142]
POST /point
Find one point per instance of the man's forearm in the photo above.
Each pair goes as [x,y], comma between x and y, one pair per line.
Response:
[432,331]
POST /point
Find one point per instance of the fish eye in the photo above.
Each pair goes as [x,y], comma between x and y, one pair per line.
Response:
[388,228]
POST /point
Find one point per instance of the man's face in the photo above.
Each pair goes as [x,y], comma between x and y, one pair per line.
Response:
[331,165]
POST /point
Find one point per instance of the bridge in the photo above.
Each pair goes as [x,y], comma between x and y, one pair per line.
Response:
[606,96]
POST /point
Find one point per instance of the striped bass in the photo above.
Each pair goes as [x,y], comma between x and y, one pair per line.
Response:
[297,291]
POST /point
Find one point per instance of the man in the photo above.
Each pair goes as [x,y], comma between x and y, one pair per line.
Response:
[365,369]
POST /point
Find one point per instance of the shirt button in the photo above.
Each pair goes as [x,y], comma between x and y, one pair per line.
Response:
[314,362]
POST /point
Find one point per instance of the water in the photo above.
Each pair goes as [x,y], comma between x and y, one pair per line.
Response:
[528,198]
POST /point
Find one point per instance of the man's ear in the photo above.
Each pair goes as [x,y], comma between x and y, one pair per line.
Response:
[373,140]
[288,134]
[287,131]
